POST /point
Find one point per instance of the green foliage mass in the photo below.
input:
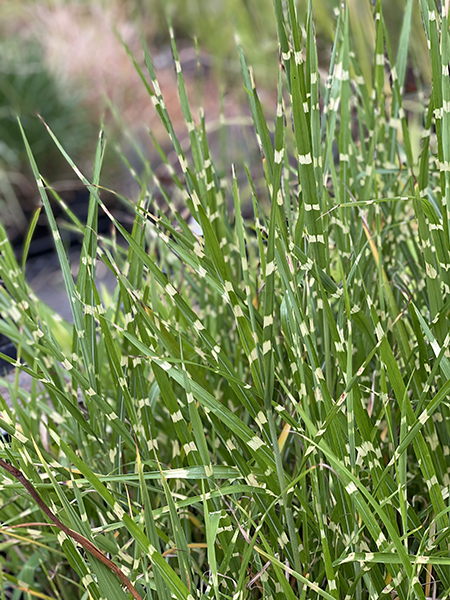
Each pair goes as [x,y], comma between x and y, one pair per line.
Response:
[259,410]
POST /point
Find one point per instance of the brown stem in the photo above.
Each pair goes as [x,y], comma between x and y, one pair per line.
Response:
[84,542]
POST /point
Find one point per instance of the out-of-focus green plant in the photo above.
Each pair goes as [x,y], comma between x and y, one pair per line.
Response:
[215,24]
[28,90]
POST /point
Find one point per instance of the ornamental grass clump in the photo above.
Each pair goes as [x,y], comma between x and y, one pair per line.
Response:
[260,408]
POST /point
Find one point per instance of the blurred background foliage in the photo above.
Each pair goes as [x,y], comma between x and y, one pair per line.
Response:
[64,60]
